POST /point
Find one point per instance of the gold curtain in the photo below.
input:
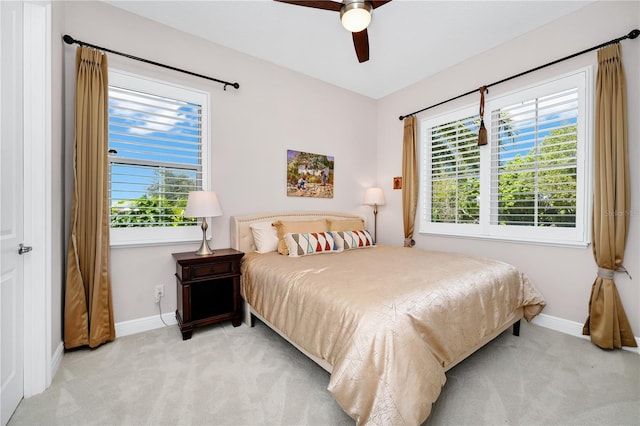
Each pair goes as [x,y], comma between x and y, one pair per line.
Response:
[409,179]
[607,322]
[88,312]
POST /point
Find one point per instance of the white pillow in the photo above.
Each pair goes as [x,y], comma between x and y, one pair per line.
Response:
[265,236]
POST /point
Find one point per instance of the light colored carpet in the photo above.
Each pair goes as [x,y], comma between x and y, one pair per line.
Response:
[243,376]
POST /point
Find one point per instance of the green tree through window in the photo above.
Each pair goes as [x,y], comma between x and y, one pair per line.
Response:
[539,188]
[535,189]
[162,205]
[455,172]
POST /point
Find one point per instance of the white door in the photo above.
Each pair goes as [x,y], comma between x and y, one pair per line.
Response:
[11,210]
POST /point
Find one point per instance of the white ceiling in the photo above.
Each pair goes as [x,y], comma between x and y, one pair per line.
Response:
[408,39]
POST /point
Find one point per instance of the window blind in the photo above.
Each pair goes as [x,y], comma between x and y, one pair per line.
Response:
[455,171]
[155,158]
[533,161]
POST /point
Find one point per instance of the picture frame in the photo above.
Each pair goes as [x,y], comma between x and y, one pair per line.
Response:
[309,175]
[397,182]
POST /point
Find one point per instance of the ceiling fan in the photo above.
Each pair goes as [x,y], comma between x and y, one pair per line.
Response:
[355,16]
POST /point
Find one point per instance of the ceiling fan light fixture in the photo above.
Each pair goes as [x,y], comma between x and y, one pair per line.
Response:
[356,15]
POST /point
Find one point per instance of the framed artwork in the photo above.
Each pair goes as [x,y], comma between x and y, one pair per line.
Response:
[309,175]
[397,182]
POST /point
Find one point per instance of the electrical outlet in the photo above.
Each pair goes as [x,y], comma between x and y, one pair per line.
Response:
[159,292]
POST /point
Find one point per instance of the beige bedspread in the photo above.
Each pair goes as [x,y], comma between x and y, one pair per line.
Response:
[388,319]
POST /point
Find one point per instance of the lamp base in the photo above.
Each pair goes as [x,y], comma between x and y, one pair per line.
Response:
[204,249]
[375,224]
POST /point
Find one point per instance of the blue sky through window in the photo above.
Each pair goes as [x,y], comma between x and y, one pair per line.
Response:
[146,132]
[523,125]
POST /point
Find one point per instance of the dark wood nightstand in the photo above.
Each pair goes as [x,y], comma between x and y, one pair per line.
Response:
[208,289]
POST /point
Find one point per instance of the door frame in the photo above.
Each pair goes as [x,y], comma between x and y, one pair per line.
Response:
[38,365]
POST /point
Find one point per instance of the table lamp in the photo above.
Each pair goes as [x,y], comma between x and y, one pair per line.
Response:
[203,204]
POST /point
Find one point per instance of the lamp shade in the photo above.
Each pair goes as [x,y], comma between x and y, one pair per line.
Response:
[203,204]
[374,197]
[355,16]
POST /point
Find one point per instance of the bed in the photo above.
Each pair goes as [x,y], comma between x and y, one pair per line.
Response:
[386,322]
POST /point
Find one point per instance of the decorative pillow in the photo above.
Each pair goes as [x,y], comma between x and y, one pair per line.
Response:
[345,224]
[265,236]
[295,227]
[355,239]
[303,244]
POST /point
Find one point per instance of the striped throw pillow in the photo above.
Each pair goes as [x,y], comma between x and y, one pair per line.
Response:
[303,244]
[356,239]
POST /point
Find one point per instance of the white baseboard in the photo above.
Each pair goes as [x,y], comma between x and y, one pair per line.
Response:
[56,360]
[572,328]
[126,328]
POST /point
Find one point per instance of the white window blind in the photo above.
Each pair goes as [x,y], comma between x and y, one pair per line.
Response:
[455,171]
[533,161]
[157,154]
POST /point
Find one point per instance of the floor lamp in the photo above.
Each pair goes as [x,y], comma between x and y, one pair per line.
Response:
[374,197]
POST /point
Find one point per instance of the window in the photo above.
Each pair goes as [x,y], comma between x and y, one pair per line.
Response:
[530,183]
[157,154]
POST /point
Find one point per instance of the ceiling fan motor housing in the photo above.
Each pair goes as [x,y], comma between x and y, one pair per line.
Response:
[355,15]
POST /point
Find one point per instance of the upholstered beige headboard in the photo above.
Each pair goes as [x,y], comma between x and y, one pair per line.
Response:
[242,237]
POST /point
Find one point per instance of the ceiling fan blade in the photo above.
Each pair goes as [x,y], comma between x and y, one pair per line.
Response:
[361,43]
[379,3]
[319,4]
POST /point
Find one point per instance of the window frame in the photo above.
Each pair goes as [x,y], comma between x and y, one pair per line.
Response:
[155,235]
[579,236]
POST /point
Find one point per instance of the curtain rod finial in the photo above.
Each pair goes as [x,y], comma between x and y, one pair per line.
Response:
[634,34]
[68,39]
[234,85]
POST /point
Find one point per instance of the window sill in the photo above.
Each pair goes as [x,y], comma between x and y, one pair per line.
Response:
[506,239]
[134,244]
[142,237]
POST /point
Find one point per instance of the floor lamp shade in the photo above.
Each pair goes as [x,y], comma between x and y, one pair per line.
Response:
[203,204]
[374,197]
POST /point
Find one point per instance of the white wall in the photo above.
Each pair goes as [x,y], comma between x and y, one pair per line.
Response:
[563,275]
[275,109]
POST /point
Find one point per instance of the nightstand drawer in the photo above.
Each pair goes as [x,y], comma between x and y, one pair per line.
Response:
[209,269]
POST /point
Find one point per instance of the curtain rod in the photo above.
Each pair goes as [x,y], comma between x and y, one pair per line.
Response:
[70,40]
[633,34]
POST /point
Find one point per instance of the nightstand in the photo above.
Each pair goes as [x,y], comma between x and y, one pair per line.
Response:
[208,289]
